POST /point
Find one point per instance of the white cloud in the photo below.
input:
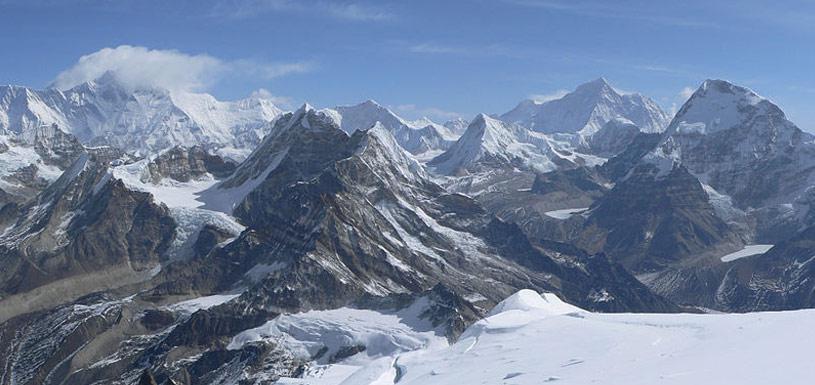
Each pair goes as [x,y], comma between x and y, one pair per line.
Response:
[268,70]
[681,98]
[280,101]
[412,111]
[433,48]
[357,12]
[686,93]
[139,67]
[541,98]
[475,51]
[614,10]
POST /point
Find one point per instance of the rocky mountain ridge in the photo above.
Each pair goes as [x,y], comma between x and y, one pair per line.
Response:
[185,267]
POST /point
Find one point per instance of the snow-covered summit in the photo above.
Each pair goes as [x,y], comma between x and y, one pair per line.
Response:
[741,144]
[587,109]
[416,137]
[523,344]
[362,116]
[718,105]
[139,120]
[489,140]
[613,138]
[530,300]
[456,126]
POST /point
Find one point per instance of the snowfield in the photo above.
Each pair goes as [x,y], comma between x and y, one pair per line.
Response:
[565,213]
[746,252]
[534,339]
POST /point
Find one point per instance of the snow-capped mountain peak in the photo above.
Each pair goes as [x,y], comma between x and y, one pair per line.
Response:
[493,135]
[491,140]
[741,144]
[363,116]
[718,105]
[418,137]
[596,88]
[139,120]
[587,109]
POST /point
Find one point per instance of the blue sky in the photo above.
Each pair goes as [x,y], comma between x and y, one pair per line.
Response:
[436,58]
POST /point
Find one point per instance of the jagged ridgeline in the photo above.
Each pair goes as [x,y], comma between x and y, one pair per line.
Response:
[158,237]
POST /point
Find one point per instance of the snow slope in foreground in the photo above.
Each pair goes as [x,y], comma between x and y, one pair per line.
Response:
[532,339]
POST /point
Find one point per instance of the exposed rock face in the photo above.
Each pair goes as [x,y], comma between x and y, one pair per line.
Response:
[619,166]
[656,217]
[742,145]
[185,164]
[574,181]
[56,147]
[756,168]
[85,232]
[29,164]
[332,220]
[531,207]
[35,347]
[147,379]
[316,206]
[614,138]
[780,279]
[325,219]
[496,163]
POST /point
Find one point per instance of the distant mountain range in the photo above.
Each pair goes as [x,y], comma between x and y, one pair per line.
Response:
[157,237]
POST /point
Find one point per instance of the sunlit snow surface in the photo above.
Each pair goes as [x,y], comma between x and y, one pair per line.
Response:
[529,339]
[16,157]
[186,204]
[383,334]
[565,213]
[746,252]
[195,304]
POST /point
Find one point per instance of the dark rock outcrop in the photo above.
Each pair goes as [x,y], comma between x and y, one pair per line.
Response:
[654,218]
[185,164]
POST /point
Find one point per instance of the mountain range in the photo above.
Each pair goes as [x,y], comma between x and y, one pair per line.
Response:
[161,237]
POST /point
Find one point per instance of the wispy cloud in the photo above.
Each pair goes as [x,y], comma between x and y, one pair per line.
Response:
[138,66]
[541,98]
[634,64]
[433,48]
[280,101]
[486,50]
[798,16]
[412,111]
[358,12]
[231,9]
[686,93]
[267,71]
[658,68]
[352,11]
[681,97]
[613,10]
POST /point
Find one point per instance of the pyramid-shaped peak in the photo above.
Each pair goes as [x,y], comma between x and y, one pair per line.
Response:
[305,108]
[719,105]
[599,84]
[484,119]
[724,87]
